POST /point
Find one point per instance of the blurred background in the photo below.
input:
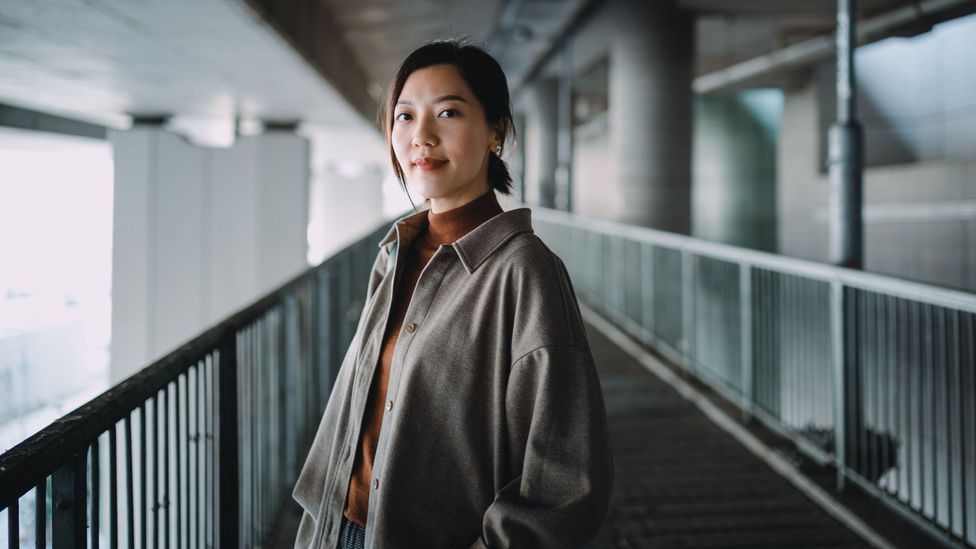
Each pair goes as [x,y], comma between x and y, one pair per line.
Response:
[165,163]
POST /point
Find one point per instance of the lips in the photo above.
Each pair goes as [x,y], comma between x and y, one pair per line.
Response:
[429,163]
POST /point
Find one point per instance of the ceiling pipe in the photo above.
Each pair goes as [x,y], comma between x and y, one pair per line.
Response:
[919,14]
[580,15]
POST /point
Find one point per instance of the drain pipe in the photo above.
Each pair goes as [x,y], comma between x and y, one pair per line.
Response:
[846,151]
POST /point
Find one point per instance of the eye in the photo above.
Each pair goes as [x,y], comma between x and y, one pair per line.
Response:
[449,113]
[403,117]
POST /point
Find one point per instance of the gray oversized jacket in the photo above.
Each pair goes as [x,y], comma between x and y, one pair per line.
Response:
[495,431]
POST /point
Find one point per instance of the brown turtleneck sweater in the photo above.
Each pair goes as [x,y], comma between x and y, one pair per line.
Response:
[443,228]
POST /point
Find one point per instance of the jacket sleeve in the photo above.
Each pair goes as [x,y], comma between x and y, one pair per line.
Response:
[556,412]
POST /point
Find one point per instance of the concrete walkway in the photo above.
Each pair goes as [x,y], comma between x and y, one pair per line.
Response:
[680,481]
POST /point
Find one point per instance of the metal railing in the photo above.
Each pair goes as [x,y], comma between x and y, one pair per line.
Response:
[872,374]
[201,448]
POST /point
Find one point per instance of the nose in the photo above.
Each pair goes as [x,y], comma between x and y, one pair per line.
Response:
[423,135]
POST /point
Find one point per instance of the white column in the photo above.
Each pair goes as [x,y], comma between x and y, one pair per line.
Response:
[650,116]
[199,233]
[541,143]
[283,207]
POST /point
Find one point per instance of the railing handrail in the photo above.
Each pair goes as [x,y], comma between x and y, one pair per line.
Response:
[899,287]
[43,452]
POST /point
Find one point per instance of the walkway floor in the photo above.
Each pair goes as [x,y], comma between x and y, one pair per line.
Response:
[680,481]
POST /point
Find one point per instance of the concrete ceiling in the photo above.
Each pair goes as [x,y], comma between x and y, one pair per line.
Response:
[729,32]
[326,62]
[208,61]
[516,32]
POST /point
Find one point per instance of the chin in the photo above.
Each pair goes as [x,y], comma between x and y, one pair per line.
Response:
[426,189]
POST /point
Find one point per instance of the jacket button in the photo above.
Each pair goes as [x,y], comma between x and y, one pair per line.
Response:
[376,484]
[411,327]
[389,405]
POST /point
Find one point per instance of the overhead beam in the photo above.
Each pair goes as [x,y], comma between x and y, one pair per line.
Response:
[571,25]
[25,119]
[310,28]
[911,19]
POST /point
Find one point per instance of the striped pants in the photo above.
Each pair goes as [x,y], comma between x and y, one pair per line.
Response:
[351,535]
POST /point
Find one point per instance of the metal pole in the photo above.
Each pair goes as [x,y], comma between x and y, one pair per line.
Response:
[846,146]
[564,135]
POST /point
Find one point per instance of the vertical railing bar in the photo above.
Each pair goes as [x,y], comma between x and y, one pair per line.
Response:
[966,337]
[13,523]
[261,390]
[904,371]
[891,393]
[166,501]
[227,430]
[687,303]
[254,362]
[209,468]
[820,345]
[800,293]
[811,291]
[762,377]
[157,456]
[867,389]
[943,402]
[95,492]
[186,455]
[837,333]
[758,334]
[113,487]
[647,255]
[249,406]
[130,483]
[788,340]
[882,381]
[40,514]
[914,489]
[953,433]
[931,420]
[900,326]
[264,375]
[855,374]
[177,473]
[787,348]
[258,413]
[745,337]
[198,439]
[143,538]
[941,397]
[246,427]
[69,492]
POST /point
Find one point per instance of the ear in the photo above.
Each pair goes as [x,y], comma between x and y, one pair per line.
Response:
[496,138]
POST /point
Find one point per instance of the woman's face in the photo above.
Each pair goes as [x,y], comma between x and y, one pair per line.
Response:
[441,138]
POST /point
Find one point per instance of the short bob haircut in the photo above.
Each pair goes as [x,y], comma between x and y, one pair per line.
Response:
[488,83]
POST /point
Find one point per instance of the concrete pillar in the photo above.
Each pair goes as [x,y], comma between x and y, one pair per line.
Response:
[199,233]
[347,193]
[542,143]
[650,113]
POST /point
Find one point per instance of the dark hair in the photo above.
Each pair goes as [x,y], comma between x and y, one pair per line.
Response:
[488,83]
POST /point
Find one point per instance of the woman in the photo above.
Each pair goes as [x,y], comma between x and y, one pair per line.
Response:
[467,411]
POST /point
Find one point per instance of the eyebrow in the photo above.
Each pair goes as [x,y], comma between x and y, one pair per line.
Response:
[440,99]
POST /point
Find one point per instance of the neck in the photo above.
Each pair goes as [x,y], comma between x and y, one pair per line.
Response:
[449,225]
[472,192]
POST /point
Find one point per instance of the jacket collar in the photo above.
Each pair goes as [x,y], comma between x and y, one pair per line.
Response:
[474,248]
